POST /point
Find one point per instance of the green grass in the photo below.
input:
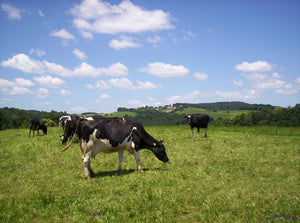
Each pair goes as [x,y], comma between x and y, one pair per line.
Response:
[237,174]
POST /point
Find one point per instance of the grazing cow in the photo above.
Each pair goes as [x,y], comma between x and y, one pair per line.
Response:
[37,124]
[198,121]
[110,135]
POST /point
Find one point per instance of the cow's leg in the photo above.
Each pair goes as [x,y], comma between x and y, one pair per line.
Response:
[121,157]
[192,132]
[137,160]
[86,165]
[29,132]
[205,132]
[198,132]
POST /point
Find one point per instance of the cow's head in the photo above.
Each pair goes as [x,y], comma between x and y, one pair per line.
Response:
[69,131]
[159,151]
[44,129]
[188,118]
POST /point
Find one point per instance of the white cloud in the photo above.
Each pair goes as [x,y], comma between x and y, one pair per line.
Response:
[245,94]
[259,66]
[188,34]
[64,92]
[286,91]
[12,12]
[104,96]
[115,70]
[37,52]
[165,70]
[99,84]
[20,90]
[190,97]
[42,93]
[23,82]
[124,42]
[24,63]
[57,69]
[81,55]
[64,34]
[298,80]
[201,76]
[145,85]
[122,83]
[239,83]
[79,109]
[154,39]
[48,81]
[40,13]
[102,17]
[87,35]
[264,81]
[18,86]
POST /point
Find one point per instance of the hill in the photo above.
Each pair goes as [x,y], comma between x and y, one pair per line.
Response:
[221,113]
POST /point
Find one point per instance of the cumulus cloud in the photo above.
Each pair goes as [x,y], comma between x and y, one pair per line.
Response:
[64,92]
[122,83]
[48,81]
[201,76]
[264,81]
[26,64]
[81,55]
[245,94]
[165,70]
[239,83]
[190,97]
[63,34]
[42,93]
[259,66]
[124,42]
[12,12]
[102,17]
[154,39]
[37,52]
[17,87]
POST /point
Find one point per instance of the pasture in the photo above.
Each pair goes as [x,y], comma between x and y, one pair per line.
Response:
[237,174]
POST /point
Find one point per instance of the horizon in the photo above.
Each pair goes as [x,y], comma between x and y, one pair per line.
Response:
[94,55]
[172,105]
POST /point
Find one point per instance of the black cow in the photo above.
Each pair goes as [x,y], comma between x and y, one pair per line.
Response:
[110,135]
[198,121]
[37,124]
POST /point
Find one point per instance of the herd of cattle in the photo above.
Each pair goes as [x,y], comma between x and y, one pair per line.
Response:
[108,135]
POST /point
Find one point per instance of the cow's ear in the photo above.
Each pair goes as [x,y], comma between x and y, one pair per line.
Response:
[162,142]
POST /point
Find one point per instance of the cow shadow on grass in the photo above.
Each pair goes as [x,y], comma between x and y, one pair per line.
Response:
[116,172]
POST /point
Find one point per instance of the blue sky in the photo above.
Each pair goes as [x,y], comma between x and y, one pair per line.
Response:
[92,55]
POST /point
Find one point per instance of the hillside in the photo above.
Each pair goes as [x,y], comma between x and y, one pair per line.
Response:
[221,113]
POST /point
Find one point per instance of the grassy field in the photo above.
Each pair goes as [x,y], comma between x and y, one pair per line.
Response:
[235,175]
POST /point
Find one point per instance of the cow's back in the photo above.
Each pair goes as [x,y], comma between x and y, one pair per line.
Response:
[201,120]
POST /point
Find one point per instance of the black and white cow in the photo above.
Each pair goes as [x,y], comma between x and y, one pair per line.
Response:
[37,124]
[198,121]
[110,135]
[63,120]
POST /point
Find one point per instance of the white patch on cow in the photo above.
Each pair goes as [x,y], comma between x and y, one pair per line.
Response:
[95,146]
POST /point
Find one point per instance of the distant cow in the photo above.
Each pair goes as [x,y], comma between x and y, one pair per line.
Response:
[110,135]
[37,124]
[198,121]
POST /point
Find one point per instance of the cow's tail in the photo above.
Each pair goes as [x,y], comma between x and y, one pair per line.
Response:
[75,133]
[67,146]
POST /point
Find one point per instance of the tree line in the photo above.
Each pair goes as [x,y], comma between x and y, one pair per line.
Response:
[278,116]
[258,115]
